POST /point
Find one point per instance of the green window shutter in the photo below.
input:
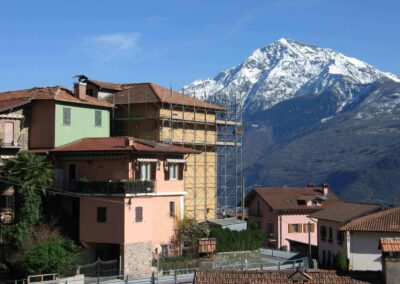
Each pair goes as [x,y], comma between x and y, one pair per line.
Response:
[97,118]
[66,116]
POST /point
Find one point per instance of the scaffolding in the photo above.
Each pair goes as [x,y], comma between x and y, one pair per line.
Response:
[213,178]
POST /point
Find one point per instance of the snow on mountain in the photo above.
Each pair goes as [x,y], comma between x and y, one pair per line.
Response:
[286,69]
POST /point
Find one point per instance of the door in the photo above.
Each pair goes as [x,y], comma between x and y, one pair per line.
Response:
[8,133]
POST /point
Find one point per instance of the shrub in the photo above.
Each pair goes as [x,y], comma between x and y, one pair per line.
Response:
[341,262]
[228,240]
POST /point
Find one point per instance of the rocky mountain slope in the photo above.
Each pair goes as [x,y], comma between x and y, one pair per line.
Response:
[313,114]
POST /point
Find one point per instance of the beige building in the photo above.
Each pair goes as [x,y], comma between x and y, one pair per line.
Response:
[151,112]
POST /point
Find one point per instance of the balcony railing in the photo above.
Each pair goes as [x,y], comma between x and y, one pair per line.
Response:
[20,142]
[114,187]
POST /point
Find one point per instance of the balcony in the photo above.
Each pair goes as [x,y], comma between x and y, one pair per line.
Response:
[20,142]
[114,187]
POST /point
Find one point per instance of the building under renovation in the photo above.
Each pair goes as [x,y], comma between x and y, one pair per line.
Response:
[151,112]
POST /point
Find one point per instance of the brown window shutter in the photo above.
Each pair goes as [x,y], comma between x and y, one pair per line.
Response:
[152,171]
[180,171]
[300,228]
[305,228]
[312,228]
[290,228]
[138,214]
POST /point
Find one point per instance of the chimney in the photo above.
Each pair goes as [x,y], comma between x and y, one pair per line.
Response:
[310,184]
[128,141]
[325,188]
[80,87]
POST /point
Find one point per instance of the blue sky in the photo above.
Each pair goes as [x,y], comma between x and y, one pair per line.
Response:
[47,42]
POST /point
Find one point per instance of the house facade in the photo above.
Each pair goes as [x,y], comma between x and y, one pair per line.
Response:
[363,236]
[283,214]
[131,192]
[331,240]
[40,119]
[152,112]
[390,248]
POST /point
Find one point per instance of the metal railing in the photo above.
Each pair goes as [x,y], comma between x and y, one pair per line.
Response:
[114,187]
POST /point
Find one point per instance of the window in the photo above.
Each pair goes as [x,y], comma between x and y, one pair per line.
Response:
[138,214]
[311,226]
[270,228]
[66,116]
[323,233]
[9,202]
[164,250]
[330,236]
[97,118]
[89,92]
[339,237]
[295,228]
[145,171]
[173,171]
[258,209]
[101,214]
[172,209]
[72,171]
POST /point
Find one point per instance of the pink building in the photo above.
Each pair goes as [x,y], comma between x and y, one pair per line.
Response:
[283,214]
[130,193]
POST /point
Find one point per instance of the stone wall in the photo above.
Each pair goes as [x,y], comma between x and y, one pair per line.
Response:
[392,270]
[137,259]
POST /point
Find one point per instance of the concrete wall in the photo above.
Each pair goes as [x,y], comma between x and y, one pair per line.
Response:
[82,123]
[42,127]
[392,270]
[333,247]
[363,250]
[110,232]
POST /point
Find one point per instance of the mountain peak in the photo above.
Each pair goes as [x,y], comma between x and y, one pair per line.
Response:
[286,69]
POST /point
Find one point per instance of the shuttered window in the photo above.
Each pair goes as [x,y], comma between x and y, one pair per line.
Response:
[138,214]
[295,228]
[101,214]
[97,118]
[311,226]
[66,116]
[172,209]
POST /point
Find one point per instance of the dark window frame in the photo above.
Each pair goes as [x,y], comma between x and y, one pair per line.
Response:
[172,209]
[101,214]
[138,214]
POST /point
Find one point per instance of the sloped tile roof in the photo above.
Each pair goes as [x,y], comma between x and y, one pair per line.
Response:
[56,93]
[285,277]
[384,221]
[119,144]
[390,244]
[149,92]
[287,198]
[106,85]
[13,103]
[345,211]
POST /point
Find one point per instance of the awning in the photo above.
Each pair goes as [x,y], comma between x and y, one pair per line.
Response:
[147,160]
[182,161]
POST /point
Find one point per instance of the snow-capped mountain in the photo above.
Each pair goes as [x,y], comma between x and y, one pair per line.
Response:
[313,114]
[287,69]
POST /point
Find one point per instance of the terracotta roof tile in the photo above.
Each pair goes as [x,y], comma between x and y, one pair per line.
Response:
[149,92]
[390,244]
[13,103]
[287,198]
[119,144]
[345,211]
[52,93]
[384,221]
[285,277]
[106,85]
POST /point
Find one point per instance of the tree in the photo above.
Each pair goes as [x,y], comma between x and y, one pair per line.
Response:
[341,262]
[38,248]
[188,232]
[30,175]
